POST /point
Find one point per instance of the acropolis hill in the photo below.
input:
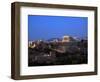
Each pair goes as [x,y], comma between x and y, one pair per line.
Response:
[57,51]
[64,39]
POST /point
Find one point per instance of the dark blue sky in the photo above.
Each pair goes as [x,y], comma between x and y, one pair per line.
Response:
[46,27]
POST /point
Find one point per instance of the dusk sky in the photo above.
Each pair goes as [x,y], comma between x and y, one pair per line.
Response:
[46,27]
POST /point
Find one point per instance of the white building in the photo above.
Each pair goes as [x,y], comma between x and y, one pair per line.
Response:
[31,44]
[66,39]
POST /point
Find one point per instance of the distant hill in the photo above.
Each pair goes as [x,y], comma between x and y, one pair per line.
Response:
[52,39]
[69,37]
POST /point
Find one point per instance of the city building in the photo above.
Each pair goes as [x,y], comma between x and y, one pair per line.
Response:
[31,44]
